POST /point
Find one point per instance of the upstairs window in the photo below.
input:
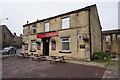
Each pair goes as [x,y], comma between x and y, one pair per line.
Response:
[46,26]
[4,35]
[65,23]
[34,29]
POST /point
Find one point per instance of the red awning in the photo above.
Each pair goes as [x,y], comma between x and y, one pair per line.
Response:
[47,35]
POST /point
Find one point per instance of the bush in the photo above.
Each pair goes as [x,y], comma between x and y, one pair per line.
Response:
[100,55]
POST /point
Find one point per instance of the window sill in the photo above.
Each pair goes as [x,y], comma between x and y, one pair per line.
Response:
[33,33]
[64,51]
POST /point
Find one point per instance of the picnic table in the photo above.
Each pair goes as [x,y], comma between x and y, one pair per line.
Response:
[38,56]
[23,55]
[57,58]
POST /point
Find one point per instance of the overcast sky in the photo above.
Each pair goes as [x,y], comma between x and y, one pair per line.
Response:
[21,12]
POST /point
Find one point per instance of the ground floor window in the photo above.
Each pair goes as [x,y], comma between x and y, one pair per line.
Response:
[38,46]
[26,46]
[65,43]
[53,45]
[33,45]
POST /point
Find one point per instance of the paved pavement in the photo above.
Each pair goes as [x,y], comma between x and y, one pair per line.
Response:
[25,68]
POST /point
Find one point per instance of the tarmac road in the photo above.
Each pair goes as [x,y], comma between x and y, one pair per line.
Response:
[25,68]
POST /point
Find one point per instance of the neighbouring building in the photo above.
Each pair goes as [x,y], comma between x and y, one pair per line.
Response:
[17,41]
[74,34]
[111,40]
[8,39]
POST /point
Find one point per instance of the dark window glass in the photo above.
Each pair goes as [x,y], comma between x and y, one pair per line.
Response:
[53,45]
[82,46]
[26,46]
[38,46]
[34,29]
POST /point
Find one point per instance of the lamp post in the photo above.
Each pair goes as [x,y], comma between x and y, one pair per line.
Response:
[3,19]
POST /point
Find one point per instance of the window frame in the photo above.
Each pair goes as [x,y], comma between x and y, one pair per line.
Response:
[33,50]
[108,38]
[64,22]
[118,35]
[39,46]
[45,27]
[53,43]
[26,46]
[34,27]
[65,42]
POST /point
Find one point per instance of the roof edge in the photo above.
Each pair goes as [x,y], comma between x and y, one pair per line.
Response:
[82,9]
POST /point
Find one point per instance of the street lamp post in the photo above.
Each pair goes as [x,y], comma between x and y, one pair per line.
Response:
[3,19]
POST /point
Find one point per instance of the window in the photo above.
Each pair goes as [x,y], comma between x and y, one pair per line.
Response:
[118,36]
[82,46]
[65,23]
[26,46]
[46,26]
[34,29]
[4,35]
[53,45]
[108,39]
[38,46]
[33,45]
[65,43]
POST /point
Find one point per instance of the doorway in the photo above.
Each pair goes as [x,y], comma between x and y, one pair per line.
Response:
[46,46]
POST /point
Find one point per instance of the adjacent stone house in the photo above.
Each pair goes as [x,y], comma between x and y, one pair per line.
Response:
[111,40]
[74,34]
[8,39]
[17,41]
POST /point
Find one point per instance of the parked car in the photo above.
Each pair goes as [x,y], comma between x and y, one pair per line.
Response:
[9,50]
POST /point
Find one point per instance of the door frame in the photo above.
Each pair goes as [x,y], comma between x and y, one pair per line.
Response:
[45,46]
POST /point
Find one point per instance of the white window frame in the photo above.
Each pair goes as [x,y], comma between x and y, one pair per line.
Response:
[33,42]
[34,27]
[63,42]
[46,26]
[65,23]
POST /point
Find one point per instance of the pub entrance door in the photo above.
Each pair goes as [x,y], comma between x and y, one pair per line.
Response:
[46,46]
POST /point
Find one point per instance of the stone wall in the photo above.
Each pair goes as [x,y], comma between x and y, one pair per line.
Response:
[79,25]
[0,37]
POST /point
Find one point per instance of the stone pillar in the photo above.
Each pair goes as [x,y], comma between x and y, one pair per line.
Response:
[114,46]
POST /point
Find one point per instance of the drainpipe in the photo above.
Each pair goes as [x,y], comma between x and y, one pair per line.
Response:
[77,40]
[90,34]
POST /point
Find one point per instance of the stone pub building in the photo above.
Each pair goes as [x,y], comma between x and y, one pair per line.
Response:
[74,34]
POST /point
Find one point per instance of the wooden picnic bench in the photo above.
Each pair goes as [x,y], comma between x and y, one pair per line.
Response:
[26,55]
[20,55]
[23,55]
[38,57]
[57,58]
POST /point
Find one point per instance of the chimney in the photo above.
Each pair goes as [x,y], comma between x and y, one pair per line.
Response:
[20,35]
[27,22]
[14,34]
[37,20]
